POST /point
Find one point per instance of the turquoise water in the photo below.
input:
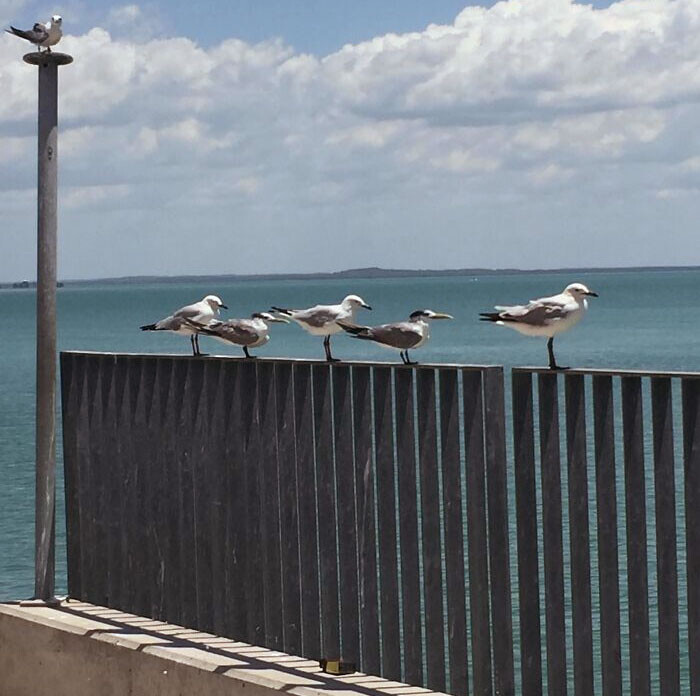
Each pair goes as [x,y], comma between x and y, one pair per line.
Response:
[645,320]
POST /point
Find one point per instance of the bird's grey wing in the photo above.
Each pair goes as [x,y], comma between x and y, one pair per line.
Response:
[401,335]
[40,30]
[172,323]
[36,35]
[189,312]
[316,317]
[538,313]
[238,331]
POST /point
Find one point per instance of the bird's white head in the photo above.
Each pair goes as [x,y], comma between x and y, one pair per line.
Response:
[424,314]
[579,291]
[355,301]
[57,20]
[214,302]
[269,317]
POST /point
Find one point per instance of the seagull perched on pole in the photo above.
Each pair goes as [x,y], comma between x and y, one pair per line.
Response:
[321,320]
[547,316]
[247,333]
[42,35]
[401,335]
[201,312]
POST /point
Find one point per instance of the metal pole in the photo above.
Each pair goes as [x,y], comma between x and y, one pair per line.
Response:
[45,525]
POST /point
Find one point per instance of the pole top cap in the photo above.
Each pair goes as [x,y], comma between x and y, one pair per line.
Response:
[45,58]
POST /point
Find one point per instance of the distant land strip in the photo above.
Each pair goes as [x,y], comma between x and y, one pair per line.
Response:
[371,272]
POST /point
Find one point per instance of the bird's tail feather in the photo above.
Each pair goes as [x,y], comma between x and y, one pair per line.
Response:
[490,316]
[148,327]
[282,310]
[355,330]
[17,32]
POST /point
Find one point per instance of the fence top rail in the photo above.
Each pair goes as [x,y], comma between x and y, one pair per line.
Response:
[305,361]
[608,372]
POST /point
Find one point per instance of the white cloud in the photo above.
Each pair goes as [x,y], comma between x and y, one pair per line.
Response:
[506,107]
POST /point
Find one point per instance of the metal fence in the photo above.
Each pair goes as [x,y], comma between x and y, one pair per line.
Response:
[362,510]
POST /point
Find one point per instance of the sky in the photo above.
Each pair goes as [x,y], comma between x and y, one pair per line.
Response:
[279,136]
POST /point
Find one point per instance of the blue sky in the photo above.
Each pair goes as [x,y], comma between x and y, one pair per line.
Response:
[314,26]
[284,136]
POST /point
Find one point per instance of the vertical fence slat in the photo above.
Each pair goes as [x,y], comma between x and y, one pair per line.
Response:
[186,563]
[367,550]
[202,459]
[408,525]
[306,487]
[477,540]
[386,517]
[499,549]
[236,549]
[113,479]
[289,521]
[70,410]
[430,522]
[269,497]
[550,467]
[220,401]
[454,540]
[606,502]
[526,511]
[635,505]
[347,522]
[579,534]
[174,400]
[250,411]
[667,572]
[691,467]
[98,492]
[325,486]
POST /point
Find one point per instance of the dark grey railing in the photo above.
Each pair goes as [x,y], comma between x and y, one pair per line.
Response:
[310,508]
[362,510]
[631,665]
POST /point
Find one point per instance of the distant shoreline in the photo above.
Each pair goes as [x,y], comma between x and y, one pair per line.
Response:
[366,273]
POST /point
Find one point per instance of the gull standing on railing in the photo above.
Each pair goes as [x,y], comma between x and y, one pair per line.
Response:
[42,35]
[201,312]
[247,333]
[401,335]
[547,316]
[321,320]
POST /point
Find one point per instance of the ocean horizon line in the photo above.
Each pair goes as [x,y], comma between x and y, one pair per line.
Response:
[366,272]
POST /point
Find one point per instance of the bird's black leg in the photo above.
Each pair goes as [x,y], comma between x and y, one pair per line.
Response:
[403,360]
[194,350]
[409,361]
[196,340]
[247,354]
[552,362]
[327,346]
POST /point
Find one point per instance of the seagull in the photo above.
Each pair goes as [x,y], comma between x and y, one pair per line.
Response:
[401,335]
[247,333]
[321,320]
[547,316]
[43,35]
[201,312]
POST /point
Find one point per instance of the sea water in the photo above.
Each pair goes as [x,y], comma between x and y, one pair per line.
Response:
[642,320]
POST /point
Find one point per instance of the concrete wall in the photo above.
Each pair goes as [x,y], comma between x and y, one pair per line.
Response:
[80,648]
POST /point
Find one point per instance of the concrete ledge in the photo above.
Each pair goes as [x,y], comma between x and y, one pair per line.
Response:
[79,648]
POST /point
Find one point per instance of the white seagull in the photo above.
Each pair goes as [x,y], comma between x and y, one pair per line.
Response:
[547,316]
[247,333]
[321,320]
[401,335]
[201,312]
[42,35]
